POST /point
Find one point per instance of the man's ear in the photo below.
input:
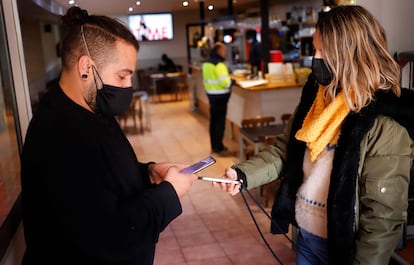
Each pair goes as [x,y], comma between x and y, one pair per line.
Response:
[84,66]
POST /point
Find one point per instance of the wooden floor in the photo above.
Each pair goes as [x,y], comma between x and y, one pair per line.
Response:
[406,255]
[215,228]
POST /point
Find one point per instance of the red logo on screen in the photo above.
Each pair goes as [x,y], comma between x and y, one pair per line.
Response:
[152,33]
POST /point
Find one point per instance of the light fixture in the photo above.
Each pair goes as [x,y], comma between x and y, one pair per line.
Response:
[130,9]
[227,39]
[326,8]
[210,7]
[138,3]
[185,3]
[71,2]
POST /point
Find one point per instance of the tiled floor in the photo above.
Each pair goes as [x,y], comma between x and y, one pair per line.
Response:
[215,228]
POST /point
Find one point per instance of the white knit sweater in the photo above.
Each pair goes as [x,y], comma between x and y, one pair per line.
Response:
[312,196]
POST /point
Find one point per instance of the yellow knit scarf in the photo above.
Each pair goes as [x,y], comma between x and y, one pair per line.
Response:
[322,124]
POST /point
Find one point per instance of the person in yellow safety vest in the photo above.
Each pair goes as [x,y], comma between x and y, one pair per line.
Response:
[217,83]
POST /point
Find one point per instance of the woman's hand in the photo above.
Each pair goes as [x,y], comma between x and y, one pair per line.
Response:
[233,189]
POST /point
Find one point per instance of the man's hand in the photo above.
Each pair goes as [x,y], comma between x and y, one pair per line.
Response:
[158,171]
[171,173]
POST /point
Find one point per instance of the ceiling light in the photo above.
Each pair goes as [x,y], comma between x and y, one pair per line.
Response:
[326,8]
[138,3]
[71,2]
[185,3]
[130,9]
[210,7]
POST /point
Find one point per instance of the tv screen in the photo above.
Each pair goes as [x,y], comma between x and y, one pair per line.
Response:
[151,27]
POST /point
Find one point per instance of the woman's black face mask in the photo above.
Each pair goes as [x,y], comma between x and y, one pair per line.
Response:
[111,100]
[321,71]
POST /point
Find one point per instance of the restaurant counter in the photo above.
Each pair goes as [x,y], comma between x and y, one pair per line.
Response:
[271,99]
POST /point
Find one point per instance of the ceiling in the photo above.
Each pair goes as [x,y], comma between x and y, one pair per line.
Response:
[120,7]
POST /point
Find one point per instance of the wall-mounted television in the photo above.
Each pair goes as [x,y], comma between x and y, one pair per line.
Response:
[152,27]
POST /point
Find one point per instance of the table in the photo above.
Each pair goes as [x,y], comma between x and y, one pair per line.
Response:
[170,77]
[252,135]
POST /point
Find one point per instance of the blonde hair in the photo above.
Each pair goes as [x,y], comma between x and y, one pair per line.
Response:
[355,48]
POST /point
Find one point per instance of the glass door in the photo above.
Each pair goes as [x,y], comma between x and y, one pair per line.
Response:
[10,143]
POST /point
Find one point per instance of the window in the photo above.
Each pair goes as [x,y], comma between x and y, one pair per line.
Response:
[10,146]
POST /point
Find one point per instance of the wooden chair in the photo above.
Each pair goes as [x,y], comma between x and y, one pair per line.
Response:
[134,111]
[258,121]
[181,85]
[270,139]
[144,81]
[267,191]
[285,117]
[267,139]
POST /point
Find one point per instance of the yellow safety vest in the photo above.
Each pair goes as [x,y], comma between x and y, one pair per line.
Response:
[216,78]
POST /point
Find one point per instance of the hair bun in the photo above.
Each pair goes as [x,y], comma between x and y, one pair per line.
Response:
[75,16]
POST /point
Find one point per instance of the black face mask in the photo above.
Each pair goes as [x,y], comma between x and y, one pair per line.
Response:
[321,71]
[112,100]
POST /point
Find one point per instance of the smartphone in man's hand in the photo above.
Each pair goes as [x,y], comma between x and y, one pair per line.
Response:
[197,167]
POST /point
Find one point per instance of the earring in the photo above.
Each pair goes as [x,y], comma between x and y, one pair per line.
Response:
[84,76]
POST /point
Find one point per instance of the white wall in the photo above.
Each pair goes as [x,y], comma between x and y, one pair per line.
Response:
[397,19]
[32,45]
[52,63]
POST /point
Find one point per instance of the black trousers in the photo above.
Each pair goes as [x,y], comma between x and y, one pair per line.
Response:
[218,112]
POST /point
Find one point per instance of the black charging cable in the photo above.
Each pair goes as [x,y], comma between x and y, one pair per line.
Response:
[258,228]
[272,221]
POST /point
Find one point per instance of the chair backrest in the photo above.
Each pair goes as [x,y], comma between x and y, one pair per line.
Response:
[178,68]
[182,82]
[144,80]
[406,61]
[285,117]
[259,121]
[133,107]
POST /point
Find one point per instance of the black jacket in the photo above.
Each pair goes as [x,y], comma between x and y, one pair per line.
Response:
[85,197]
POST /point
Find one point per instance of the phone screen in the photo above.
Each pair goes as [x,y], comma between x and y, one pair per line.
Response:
[208,161]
